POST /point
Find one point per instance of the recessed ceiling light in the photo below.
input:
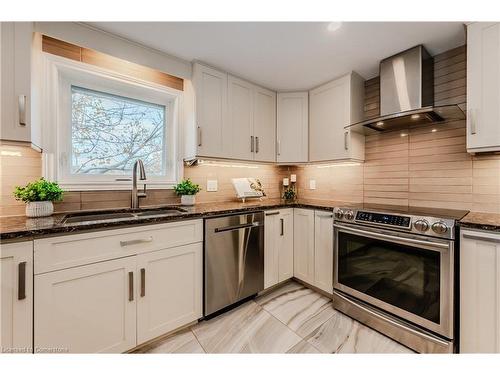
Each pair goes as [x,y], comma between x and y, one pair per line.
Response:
[334,26]
[415,117]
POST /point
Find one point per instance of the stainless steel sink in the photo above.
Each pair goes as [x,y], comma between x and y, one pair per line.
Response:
[102,217]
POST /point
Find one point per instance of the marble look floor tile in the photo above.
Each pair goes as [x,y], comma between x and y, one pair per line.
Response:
[332,334]
[303,347]
[182,342]
[246,329]
[301,309]
[366,340]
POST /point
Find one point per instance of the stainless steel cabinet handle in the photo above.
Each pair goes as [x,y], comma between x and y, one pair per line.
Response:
[199,136]
[22,110]
[272,213]
[130,286]
[473,121]
[143,282]
[251,144]
[346,145]
[480,238]
[135,242]
[256,145]
[239,226]
[325,215]
[21,281]
[279,147]
[282,223]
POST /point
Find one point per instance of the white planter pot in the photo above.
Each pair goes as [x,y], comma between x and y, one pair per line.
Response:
[39,209]
[188,200]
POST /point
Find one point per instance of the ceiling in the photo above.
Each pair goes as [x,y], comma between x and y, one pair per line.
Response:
[289,55]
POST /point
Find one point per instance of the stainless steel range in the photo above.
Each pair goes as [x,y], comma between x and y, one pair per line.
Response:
[394,270]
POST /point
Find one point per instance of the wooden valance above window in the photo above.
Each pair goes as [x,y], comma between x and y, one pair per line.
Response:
[89,56]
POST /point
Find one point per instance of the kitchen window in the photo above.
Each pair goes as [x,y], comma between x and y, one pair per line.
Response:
[104,122]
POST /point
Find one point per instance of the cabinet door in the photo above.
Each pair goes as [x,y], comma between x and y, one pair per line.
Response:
[214,138]
[303,245]
[323,250]
[264,124]
[285,245]
[87,309]
[483,86]
[15,55]
[292,127]
[240,109]
[329,114]
[271,248]
[479,292]
[169,290]
[16,297]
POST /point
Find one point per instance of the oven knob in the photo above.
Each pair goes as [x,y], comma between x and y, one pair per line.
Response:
[349,215]
[421,225]
[439,227]
[339,214]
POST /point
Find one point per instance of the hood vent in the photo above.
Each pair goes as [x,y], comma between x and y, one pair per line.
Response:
[407,94]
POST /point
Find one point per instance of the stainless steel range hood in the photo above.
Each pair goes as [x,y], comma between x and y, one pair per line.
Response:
[407,94]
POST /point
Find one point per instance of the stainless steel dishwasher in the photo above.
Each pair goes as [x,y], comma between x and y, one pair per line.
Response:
[234,259]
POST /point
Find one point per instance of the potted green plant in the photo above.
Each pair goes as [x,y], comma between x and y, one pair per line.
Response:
[187,191]
[289,194]
[38,196]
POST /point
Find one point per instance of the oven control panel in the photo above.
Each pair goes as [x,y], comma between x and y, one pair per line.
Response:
[385,219]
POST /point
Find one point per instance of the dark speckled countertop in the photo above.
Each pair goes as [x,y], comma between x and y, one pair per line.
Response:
[22,228]
[482,221]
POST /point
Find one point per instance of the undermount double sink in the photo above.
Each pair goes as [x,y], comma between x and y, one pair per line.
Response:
[102,217]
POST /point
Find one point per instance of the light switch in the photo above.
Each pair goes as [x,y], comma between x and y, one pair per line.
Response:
[211,185]
[312,184]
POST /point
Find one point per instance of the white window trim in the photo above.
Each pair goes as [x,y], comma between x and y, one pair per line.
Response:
[60,74]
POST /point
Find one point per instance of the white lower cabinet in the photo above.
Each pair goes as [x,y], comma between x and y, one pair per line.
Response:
[278,247]
[87,309]
[16,297]
[113,305]
[323,250]
[303,245]
[479,292]
[169,290]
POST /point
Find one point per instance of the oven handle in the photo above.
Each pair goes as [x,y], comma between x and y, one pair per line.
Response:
[388,237]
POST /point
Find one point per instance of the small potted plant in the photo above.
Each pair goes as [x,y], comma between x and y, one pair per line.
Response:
[38,196]
[289,194]
[187,190]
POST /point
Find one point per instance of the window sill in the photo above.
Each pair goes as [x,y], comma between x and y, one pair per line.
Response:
[113,186]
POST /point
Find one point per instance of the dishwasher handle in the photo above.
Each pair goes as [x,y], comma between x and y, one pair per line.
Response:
[239,226]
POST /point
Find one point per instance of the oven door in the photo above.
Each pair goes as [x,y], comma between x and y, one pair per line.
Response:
[407,275]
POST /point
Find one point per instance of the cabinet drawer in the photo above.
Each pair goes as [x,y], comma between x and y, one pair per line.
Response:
[56,253]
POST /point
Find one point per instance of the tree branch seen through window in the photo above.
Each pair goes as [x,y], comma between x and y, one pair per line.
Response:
[109,133]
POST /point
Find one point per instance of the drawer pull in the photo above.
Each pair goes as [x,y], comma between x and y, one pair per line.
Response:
[130,286]
[136,242]
[282,223]
[143,282]
[22,110]
[21,281]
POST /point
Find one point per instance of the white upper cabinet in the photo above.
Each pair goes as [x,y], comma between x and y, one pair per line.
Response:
[235,119]
[213,138]
[479,292]
[264,124]
[333,106]
[292,127]
[240,110]
[483,87]
[16,297]
[16,56]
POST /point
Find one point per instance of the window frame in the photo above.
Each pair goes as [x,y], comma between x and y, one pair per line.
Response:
[62,74]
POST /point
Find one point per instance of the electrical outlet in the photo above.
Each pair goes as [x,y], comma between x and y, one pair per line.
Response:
[211,185]
[312,184]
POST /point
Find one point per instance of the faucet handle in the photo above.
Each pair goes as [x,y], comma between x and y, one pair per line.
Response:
[143,194]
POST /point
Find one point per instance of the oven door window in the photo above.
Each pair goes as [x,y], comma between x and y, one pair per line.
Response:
[403,276]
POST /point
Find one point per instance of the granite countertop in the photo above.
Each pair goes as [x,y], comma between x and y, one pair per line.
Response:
[24,228]
[481,220]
